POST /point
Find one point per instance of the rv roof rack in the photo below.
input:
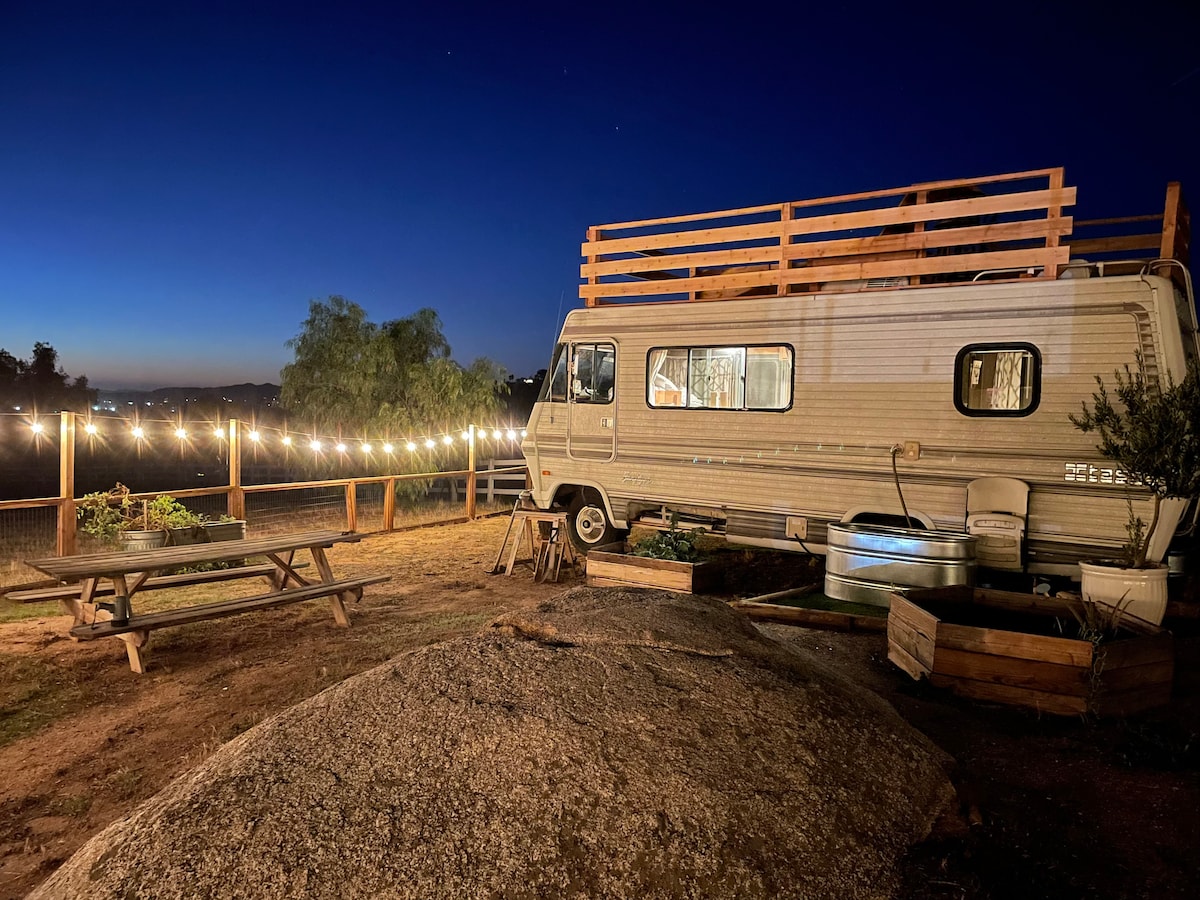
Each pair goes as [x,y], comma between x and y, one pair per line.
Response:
[942,232]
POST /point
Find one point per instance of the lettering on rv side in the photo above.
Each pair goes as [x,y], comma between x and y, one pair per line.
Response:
[1086,473]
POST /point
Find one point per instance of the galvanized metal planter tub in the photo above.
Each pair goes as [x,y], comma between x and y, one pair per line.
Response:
[867,563]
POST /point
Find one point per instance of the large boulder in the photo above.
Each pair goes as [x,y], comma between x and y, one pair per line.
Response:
[615,743]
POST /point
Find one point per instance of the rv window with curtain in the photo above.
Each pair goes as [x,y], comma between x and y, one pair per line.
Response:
[740,378]
[998,379]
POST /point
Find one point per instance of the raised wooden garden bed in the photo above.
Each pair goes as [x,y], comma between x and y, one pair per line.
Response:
[614,569]
[1008,648]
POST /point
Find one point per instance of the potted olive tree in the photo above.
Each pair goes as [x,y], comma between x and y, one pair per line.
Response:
[1152,431]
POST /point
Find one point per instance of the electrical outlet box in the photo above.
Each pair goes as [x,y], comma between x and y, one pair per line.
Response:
[912,450]
[797,527]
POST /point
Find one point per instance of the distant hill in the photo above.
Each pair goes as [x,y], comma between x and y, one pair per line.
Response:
[250,396]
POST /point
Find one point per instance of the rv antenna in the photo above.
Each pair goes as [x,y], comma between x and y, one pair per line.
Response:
[558,317]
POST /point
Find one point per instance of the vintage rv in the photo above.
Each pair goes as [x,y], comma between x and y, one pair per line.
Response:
[904,355]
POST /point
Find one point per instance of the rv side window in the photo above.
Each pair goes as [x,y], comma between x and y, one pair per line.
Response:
[742,378]
[593,372]
[998,379]
[555,386]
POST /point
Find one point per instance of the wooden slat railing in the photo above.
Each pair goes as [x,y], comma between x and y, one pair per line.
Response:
[938,232]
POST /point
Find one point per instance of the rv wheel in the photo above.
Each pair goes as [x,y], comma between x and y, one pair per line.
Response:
[588,523]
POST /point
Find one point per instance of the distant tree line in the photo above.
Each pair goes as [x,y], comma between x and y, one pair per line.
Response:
[40,384]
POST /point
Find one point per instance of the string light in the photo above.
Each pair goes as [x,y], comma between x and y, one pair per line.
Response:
[147,430]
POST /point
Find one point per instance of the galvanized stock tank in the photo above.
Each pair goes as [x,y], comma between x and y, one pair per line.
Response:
[865,563]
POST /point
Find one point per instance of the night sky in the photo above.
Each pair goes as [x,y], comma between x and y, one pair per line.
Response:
[178,180]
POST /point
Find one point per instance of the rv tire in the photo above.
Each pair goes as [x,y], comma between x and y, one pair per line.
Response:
[588,524]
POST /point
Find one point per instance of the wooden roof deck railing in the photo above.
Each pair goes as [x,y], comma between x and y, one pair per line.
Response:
[937,232]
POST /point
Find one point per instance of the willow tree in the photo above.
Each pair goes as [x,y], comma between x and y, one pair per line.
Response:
[392,379]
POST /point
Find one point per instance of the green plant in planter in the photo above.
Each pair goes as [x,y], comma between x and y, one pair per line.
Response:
[671,544]
[1152,431]
[104,514]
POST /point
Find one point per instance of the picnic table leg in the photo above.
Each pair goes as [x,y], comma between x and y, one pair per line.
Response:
[74,606]
[134,642]
[284,571]
[337,601]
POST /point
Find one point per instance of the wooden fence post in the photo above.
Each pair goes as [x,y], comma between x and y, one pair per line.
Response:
[471,479]
[65,536]
[389,504]
[351,506]
[236,502]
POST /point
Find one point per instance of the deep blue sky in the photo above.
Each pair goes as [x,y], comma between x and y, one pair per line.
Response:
[178,180]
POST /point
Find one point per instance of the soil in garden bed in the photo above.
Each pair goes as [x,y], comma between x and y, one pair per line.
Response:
[1042,624]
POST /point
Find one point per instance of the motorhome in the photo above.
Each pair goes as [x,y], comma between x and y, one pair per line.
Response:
[908,356]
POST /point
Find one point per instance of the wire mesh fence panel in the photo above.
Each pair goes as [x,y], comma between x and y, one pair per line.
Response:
[25,534]
[368,504]
[297,509]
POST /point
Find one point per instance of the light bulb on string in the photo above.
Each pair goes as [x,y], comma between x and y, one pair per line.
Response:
[511,435]
[466,435]
[37,427]
[524,433]
[410,446]
[90,428]
[218,432]
[181,433]
[387,448]
[138,432]
[429,444]
[340,448]
[367,448]
[447,440]
[287,440]
[315,446]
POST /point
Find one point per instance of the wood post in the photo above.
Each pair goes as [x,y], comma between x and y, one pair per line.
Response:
[471,479]
[1050,267]
[236,502]
[65,537]
[351,506]
[389,504]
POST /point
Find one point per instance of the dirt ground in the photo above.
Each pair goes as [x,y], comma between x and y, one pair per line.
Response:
[1056,808]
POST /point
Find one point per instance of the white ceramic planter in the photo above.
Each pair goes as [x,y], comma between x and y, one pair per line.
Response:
[1139,592]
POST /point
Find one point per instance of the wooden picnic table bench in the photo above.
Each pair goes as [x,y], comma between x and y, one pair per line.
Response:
[132,571]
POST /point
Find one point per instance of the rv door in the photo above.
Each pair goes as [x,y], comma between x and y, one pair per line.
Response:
[592,401]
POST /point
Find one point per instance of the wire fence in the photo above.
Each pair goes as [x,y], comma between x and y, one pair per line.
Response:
[29,528]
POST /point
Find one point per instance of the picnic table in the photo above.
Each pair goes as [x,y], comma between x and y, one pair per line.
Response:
[123,574]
